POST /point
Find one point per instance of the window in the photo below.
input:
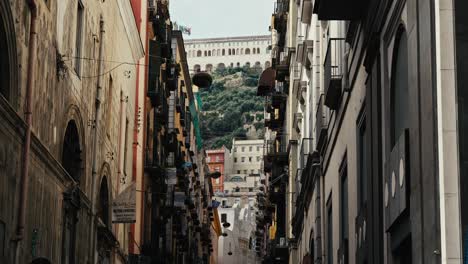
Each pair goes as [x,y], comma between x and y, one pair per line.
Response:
[243,149]
[109,105]
[238,171]
[251,189]
[252,171]
[235,148]
[258,148]
[250,159]
[258,158]
[217,158]
[125,154]
[344,225]
[224,216]
[243,159]
[250,148]
[245,171]
[329,232]
[235,160]
[399,91]
[78,37]
[362,161]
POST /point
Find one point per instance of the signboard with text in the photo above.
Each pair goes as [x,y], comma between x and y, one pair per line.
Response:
[124,206]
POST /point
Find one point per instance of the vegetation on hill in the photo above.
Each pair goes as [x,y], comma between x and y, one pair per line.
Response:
[231,108]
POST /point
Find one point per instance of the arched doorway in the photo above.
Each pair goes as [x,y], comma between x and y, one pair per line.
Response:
[8,63]
[71,152]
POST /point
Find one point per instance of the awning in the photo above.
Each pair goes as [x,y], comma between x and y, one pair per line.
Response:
[266,83]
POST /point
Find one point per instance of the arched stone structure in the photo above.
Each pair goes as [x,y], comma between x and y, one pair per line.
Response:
[72,159]
[247,51]
[199,53]
[74,121]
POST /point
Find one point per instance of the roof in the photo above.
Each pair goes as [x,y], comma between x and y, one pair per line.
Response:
[229,39]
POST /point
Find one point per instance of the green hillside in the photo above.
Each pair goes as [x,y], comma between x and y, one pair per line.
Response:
[231,107]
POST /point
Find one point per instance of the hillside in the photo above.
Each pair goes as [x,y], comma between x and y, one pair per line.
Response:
[231,108]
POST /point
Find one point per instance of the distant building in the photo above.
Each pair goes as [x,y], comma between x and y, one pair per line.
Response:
[211,53]
[246,157]
[216,161]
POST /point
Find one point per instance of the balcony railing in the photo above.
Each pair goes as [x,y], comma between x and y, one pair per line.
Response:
[333,72]
[281,6]
[321,125]
[279,96]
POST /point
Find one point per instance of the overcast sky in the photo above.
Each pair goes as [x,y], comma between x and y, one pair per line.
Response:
[222,18]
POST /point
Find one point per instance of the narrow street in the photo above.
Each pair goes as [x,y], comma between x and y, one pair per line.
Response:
[232,132]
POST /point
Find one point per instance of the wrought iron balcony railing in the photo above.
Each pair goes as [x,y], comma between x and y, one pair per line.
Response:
[333,72]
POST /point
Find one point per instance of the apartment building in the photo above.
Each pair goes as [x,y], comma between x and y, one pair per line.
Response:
[365,114]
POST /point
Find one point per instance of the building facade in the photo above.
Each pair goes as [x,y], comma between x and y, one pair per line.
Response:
[217,159]
[212,53]
[246,157]
[366,117]
[66,122]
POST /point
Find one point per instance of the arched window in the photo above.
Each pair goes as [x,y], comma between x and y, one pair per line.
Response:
[247,51]
[221,66]
[242,51]
[237,51]
[258,50]
[213,53]
[224,52]
[399,103]
[254,51]
[238,64]
[218,53]
[229,52]
[103,211]
[196,68]
[267,64]
[199,53]
[209,53]
[312,247]
[209,67]
[247,64]
[205,53]
[71,153]
[233,51]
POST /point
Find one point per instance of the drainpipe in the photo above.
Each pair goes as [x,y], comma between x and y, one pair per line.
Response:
[97,117]
[23,195]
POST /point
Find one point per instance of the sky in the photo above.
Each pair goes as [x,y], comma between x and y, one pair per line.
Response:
[222,18]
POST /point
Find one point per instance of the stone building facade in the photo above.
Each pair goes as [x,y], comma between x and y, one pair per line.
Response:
[65,60]
[211,53]
[370,168]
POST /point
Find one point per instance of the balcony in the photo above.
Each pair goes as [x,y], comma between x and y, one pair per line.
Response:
[280,95]
[321,126]
[282,70]
[281,7]
[275,119]
[333,72]
[154,69]
[339,9]
[277,151]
